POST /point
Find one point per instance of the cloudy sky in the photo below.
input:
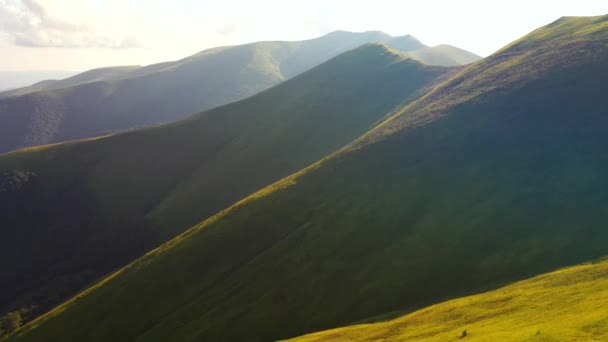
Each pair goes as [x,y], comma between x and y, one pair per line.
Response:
[83,34]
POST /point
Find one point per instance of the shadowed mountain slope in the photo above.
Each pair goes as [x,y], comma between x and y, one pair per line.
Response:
[73,212]
[494,175]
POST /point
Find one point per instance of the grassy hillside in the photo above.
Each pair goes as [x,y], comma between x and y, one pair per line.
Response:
[566,305]
[495,175]
[73,212]
[111,100]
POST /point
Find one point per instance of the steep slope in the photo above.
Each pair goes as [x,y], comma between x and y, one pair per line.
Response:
[72,212]
[566,305]
[95,75]
[165,92]
[493,176]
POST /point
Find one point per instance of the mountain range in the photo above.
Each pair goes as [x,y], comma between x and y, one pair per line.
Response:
[17,79]
[370,184]
[110,100]
[95,205]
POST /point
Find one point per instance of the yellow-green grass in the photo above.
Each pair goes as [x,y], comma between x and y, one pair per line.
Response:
[566,305]
[575,27]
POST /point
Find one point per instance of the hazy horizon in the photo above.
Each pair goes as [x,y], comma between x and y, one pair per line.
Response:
[60,35]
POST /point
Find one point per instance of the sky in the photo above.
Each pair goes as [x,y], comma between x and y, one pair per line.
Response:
[76,35]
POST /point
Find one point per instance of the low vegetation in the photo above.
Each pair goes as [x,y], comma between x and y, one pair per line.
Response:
[566,305]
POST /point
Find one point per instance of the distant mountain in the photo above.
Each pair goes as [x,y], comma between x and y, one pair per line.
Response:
[73,212]
[475,177]
[111,100]
[95,75]
[407,43]
[559,306]
[444,55]
[17,79]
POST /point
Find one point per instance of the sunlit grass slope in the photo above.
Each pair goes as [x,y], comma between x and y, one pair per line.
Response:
[563,44]
[566,305]
[496,175]
[73,212]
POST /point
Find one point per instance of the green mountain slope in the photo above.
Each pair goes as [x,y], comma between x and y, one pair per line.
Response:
[110,100]
[73,212]
[566,305]
[495,175]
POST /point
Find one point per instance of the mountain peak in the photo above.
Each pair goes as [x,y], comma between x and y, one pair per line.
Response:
[378,35]
[375,50]
[406,43]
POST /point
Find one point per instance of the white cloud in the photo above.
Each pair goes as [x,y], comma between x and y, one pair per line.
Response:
[161,30]
[29,24]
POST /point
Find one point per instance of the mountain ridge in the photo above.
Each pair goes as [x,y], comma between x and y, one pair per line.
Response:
[135,190]
[471,194]
[89,76]
[138,97]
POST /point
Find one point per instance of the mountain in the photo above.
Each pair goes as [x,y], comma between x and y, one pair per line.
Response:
[73,212]
[406,43]
[559,306]
[111,100]
[95,75]
[443,55]
[16,79]
[495,174]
